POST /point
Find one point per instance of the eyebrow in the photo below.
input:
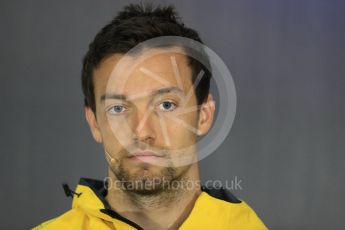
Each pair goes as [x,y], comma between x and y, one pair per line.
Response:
[152,94]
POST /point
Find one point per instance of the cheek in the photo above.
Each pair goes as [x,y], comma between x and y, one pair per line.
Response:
[183,131]
[114,135]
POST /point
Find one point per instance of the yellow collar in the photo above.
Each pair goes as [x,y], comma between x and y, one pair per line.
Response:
[211,204]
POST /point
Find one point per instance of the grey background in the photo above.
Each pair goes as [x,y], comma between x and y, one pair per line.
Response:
[287,142]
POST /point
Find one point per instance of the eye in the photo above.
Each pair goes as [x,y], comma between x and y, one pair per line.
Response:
[167,106]
[117,109]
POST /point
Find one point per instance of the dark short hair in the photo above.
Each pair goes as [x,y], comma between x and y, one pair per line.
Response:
[133,25]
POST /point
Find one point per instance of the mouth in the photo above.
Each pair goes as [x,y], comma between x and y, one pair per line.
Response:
[145,156]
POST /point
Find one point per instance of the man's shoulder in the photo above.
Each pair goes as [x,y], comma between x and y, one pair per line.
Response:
[67,220]
[236,212]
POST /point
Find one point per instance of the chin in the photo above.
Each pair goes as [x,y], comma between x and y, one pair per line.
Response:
[145,179]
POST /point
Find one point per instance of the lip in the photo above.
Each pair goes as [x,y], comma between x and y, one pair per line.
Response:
[145,156]
[144,153]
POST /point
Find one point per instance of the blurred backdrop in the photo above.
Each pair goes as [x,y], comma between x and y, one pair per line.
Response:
[287,143]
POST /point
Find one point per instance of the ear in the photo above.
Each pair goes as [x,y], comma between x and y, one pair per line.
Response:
[206,115]
[92,121]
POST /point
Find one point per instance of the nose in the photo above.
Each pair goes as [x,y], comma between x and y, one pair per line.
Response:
[144,129]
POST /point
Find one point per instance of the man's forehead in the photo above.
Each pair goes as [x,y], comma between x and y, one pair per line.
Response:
[162,56]
[160,68]
[150,93]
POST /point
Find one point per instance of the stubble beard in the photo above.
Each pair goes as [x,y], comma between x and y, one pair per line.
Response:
[147,179]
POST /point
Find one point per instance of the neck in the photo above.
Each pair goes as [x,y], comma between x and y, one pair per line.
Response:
[175,202]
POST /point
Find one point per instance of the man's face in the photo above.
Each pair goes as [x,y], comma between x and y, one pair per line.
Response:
[147,119]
